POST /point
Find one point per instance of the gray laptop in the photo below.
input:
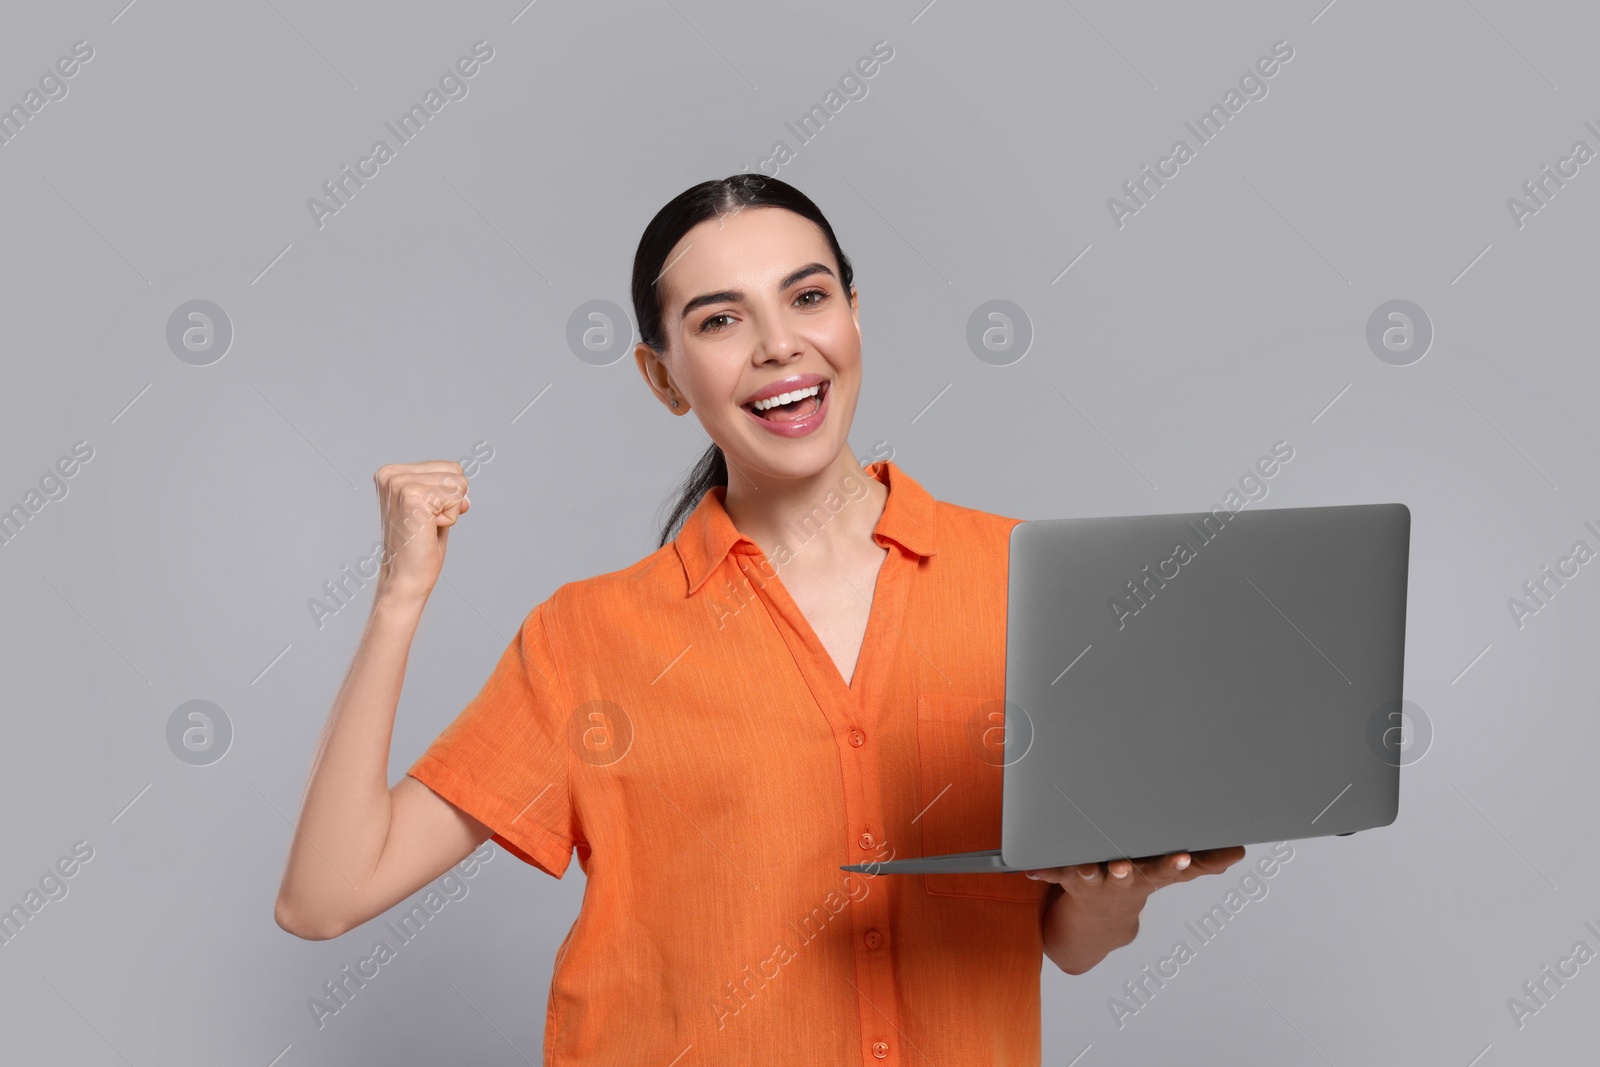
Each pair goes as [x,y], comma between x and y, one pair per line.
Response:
[1193,681]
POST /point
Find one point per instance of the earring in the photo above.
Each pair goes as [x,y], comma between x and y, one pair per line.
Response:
[674,402]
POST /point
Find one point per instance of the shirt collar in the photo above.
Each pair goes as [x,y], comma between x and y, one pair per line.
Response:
[708,534]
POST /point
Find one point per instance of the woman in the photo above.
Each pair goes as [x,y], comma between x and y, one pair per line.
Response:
[807,675]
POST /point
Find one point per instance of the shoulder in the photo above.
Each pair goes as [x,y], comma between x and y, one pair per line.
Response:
[610,599]
[970,541]
[962,525]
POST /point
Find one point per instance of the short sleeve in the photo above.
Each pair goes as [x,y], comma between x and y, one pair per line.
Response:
[504,760]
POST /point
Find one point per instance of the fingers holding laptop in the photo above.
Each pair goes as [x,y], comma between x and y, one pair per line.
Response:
[1144,875]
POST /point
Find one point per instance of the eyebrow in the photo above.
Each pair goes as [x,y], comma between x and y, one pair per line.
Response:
[734,296]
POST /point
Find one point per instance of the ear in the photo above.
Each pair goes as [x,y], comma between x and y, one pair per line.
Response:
[656,376]
[855,308]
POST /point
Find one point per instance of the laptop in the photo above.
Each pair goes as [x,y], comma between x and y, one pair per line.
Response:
[1191,681]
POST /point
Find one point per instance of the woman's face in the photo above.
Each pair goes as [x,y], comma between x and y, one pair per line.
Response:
[748,300]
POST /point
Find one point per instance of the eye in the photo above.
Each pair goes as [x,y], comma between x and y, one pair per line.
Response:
[706,327]
[820,294]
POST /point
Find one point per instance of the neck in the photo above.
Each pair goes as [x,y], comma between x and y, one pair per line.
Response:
[827,516]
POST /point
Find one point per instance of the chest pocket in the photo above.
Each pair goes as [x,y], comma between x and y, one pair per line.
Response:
[960,749]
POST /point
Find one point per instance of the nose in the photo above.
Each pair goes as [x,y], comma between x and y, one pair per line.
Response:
[776,339]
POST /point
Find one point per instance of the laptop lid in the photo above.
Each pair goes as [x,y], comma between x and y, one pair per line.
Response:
[1189,681]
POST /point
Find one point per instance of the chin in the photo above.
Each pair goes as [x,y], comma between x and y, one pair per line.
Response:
[794,463]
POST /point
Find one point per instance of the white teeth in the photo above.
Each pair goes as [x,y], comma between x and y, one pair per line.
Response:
[786,398]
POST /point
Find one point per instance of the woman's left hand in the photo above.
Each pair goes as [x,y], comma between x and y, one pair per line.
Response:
[1120,887]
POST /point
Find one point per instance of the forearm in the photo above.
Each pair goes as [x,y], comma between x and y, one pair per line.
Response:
[344,815]
[1075,940]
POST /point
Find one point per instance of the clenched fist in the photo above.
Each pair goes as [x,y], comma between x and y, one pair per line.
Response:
[419,502]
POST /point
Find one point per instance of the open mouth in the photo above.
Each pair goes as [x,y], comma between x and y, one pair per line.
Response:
[803,402]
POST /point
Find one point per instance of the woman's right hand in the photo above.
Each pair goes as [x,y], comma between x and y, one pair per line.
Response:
[419,502]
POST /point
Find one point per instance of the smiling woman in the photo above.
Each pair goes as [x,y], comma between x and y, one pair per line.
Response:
[712,767]
[697,330]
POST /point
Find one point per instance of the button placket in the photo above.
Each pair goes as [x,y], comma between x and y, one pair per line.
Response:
[851,712]
[874,965]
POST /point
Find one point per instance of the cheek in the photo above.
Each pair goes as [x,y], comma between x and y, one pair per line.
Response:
[841,343]
[710,378]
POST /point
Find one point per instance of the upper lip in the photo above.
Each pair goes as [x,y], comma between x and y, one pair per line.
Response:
[784,385]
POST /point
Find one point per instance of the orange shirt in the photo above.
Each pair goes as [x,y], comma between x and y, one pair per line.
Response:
[680,725]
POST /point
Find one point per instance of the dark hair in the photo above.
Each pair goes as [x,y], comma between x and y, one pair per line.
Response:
[709,200]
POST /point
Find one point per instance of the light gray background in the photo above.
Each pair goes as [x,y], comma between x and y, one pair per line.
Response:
[1228,314]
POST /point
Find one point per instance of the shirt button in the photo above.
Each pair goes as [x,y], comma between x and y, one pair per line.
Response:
[879,1049]
[866,840]
[857,738]
[874,939]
